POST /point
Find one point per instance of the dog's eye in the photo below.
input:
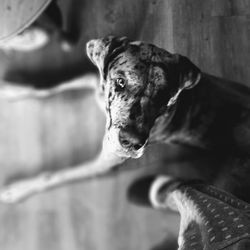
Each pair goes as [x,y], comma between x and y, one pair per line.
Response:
[120,83]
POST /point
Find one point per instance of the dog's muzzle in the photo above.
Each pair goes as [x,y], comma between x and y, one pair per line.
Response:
[131,140]
[124,144]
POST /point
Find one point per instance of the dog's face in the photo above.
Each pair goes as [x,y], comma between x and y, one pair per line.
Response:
[139,81]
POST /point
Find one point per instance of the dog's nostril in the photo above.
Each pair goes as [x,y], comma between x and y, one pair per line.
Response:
[131,140]
[125,142]
[137,146]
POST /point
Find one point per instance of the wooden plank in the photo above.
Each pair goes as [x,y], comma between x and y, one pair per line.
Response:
[62,130]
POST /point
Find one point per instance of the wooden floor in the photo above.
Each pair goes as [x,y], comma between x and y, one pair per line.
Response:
[59,131]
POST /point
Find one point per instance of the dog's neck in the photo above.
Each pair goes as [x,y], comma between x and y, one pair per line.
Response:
[176,124]
[200,116]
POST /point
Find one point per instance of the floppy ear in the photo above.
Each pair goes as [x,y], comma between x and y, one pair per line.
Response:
[188,75]
[101,51]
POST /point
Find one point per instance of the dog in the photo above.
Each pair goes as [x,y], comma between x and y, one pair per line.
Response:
[152,96]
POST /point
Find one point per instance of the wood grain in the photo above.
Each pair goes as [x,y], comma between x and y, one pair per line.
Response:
[66,129]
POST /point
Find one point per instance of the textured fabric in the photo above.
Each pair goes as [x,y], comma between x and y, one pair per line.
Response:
[210,218]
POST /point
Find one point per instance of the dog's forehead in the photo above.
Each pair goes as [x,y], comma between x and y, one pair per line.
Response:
[134,59]
[143,52]
[138,52]
[151,53]
[128,62]
[139,61]
[141,56]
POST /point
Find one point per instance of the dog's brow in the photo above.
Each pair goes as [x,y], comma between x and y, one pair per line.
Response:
[121,72]
[111,64]
[121,63]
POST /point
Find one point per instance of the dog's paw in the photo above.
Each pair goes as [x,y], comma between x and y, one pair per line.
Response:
[151,190]
[138,191]
[17,192]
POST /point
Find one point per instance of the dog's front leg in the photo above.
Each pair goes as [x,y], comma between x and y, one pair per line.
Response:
[18,91]
[22,189]
[210,217]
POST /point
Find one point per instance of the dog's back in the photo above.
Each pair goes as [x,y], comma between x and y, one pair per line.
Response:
[233,100]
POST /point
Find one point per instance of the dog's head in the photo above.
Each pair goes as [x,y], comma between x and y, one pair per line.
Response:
[139,81]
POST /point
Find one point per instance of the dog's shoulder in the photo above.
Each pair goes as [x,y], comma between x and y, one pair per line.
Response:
[233,92]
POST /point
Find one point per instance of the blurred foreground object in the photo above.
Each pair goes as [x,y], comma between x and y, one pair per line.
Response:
[28,40]
[26,25]
[16,16]
[210,218]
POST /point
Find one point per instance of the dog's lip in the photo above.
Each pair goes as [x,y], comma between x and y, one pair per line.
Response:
[130,153]
[112,144]
[135,153]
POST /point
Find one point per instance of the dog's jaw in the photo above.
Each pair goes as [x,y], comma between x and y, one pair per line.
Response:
[111,144]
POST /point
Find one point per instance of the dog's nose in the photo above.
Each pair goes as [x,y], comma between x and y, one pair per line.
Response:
[131,139]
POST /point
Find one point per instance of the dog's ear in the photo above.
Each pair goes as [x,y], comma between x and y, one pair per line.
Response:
[187,75]
[101,51]
[182,74]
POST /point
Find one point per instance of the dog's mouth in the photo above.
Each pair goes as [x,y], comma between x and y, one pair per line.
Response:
[125,147]
[131,153]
